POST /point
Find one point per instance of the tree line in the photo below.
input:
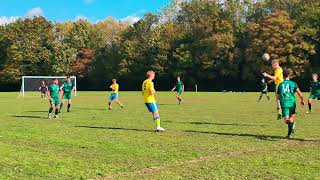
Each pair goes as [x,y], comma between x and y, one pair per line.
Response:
[208,42]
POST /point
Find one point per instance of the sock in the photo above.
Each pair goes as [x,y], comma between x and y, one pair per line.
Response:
[109,104]
[56,112]
[268,97]
[260,97]
[290,127]
[157,120]
[69,105]
[50,110]
[309,105]
[61,105]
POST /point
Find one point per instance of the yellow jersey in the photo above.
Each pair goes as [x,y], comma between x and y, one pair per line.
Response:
[147,85]
[279,74]
[115,88]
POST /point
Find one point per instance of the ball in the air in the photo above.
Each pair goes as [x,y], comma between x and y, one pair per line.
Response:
[266,56]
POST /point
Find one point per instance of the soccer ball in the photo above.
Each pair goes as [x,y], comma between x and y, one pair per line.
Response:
[266,56]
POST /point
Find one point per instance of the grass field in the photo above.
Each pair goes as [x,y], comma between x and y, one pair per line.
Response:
[209,136]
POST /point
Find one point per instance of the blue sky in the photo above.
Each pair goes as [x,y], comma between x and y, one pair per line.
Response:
[93,10]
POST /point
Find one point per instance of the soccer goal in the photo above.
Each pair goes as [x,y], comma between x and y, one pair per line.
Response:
[32,83]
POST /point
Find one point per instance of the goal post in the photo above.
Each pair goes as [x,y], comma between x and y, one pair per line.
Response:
[32,83]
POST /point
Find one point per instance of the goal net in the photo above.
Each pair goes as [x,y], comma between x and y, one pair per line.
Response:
[30,84]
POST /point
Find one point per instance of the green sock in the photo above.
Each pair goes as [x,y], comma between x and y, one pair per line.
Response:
[61,106]
[69,105]
[290,128]
[56,112]
[50,110]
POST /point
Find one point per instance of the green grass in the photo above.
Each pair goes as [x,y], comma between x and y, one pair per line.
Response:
[209,136]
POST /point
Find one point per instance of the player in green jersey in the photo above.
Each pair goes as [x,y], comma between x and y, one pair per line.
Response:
[54,98]
[179,87]
[67,88]
[264,89]
[285,94]
[314,90]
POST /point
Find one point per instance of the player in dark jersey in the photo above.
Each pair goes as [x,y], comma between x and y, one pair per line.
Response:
[286,95]
[264,89]
[43,90]
[67,88]
[314,90]
[179,87]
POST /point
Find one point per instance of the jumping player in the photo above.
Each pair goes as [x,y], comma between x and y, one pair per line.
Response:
[179,87]
[277,78]
[148,92]
[114,94]
[67,88]
[43,90]
[54,97]
[264,89]
[314,90]
[285,93]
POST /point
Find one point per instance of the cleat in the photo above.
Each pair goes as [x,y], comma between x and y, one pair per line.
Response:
[289,137]
[56,116]
[279,116]
[122,107]
[160,129]
[68,110]
[49,116]
[308,112]
[109,108]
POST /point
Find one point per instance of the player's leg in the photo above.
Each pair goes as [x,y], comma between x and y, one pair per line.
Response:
[268,97]
[153,108]
[261,94]
[178,96]
[310,100]
[111,98]
[279,115]
[57,108]
[62,101]
[51,109]
[117,101]
[69,104]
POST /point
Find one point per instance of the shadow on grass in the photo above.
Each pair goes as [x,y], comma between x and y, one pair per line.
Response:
[114,128]
[257,136]
[98,109]
[37,111]
[225,124]
[30,117]
[168,104]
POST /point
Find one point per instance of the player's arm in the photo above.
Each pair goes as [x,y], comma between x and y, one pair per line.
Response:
[274,78]
[182,87]
[61,88]
[49,95]
[300,96]
[39,88]
[265,88]
[173,88]
[271,81]
[47,88]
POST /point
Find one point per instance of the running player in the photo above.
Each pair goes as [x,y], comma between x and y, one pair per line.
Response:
[277,78]
[285,93]
[314,90]
[264,89]
[114,93]
[148,92]
[179,87]
[67,88]
[43,90]
[54,97]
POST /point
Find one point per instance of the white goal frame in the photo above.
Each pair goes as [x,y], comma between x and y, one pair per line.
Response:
[48,77]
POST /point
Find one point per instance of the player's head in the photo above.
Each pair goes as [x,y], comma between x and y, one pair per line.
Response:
[114,81]
[286,73]
[263,80]
[151,75]
[68,78]
[55,81]
[42,82]
[178,78]
[275,63]
[314,77]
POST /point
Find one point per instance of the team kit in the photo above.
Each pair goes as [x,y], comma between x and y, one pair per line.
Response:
[285,91]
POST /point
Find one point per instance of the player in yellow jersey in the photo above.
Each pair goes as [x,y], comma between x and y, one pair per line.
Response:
[148,92]
[114,93]
[277,78]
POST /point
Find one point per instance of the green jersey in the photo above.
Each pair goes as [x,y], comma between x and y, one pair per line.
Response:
[179,86]
[67,87]
[263,86]
[54,91]
[286,91]
[315,87]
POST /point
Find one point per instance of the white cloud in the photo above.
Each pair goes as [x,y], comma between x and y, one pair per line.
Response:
[81,17]
[6,20]
[35,12]
[131,19]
